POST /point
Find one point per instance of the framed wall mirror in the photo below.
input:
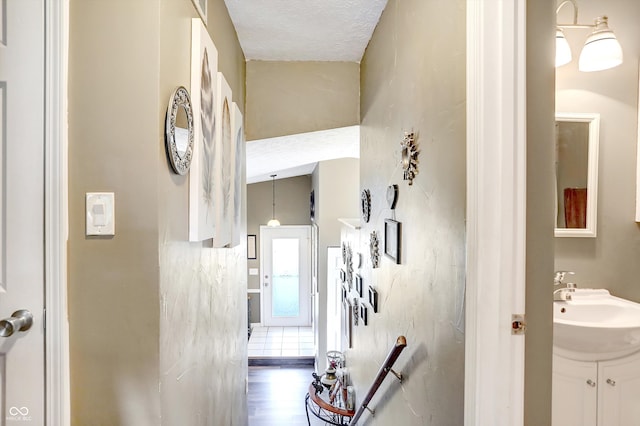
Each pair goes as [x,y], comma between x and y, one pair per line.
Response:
[576,174]
[179,131]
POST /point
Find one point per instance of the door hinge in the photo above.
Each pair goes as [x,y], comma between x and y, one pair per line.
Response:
[518,324]
[44,319]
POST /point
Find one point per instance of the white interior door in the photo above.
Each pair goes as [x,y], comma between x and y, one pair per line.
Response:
[286,275]
[22,211]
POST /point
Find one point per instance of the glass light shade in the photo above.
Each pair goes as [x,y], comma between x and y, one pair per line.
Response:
[273,223]
[563,51]
[601,50]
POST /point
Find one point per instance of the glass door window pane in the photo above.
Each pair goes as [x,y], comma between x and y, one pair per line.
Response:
[285,278]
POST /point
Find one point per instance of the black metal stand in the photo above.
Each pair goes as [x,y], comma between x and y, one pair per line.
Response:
[323,409]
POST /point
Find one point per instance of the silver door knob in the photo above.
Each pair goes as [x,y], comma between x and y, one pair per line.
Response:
[20,321]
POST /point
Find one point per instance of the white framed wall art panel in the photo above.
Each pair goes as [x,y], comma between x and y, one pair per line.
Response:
[238,170]
[223,169]
[204,70]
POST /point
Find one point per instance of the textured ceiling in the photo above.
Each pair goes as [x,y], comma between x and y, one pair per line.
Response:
[297,155]
[304,30]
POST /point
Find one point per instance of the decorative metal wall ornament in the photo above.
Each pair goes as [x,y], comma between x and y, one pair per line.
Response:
[409,157]
[374,248]
[365,204]
[344,253]
[349,265]
[356,311]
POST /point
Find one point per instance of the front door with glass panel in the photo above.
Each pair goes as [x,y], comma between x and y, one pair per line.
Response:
[286,275]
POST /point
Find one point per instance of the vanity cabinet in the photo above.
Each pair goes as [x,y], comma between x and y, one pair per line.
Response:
[603,393]
[619,392]
[575,393]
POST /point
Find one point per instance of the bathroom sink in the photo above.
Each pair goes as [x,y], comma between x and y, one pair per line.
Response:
[595,326]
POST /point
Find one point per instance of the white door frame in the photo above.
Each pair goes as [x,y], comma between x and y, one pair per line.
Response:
[496,177]
[56,213]
[496,142]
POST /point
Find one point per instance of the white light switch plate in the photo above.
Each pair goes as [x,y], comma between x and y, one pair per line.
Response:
[253,271]
[100,213]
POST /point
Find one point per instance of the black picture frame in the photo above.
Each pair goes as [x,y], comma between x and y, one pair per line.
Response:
[312,205]
[364,314]
[251,247]
[392,239]
[373,299]
[347,323]
[359,284]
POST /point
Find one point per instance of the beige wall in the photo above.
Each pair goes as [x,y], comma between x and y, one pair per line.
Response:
[285,98]
[292,208]
[113,144]
[610,260]
[413,78]
[152,316]
[540,201]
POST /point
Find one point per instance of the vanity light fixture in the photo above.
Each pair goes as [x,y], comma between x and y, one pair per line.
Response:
[273,222]
[601,50]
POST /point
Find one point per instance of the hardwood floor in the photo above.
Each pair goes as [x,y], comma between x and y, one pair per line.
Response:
[276,396]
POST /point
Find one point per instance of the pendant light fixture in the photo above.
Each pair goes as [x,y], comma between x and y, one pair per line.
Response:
[601,50]
[273,222]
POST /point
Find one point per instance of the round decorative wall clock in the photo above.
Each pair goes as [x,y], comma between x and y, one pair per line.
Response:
[409,157]
[365,204]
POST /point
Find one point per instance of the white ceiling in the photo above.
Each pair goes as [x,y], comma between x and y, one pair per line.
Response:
[297,155]
[304,30]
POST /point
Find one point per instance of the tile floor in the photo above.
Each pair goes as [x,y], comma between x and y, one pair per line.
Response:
[266,342]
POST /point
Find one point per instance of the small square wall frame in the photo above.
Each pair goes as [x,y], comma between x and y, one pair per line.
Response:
[373,299]
[364,314]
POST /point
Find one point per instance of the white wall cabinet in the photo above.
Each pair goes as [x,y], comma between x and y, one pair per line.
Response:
[603,393]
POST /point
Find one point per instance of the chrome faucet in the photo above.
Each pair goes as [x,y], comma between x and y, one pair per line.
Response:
[563,293]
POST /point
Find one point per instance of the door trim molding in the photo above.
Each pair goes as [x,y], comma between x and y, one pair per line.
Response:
[262,297]
[496,177]
[56,212]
